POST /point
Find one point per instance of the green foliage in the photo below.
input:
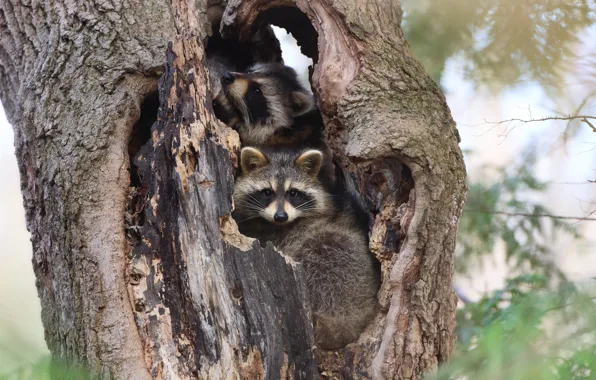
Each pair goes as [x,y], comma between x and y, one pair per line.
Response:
[47,369]
[539,325]
[505,209]
[527,330]
[501,41]
[22,359]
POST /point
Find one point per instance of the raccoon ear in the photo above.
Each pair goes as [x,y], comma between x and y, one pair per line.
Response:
[310,162]
[301,103]
[252,159]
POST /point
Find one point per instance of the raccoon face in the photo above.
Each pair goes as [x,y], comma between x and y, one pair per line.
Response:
[280,187]
[268,97]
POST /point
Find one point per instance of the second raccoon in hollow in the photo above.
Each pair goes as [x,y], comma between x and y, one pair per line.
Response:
[279,198]
[275,108]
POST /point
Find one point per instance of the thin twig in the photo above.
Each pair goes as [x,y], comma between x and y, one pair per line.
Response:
[583,118]
[558,307]
[532,215]
[587,182]
[577,111]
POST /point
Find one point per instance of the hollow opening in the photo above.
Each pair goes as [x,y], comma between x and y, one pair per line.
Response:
[297,24]
[140,136]
[293,56]
[384,181]
[141,133]
[297,37]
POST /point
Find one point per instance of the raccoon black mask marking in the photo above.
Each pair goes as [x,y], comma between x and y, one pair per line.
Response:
[280,188]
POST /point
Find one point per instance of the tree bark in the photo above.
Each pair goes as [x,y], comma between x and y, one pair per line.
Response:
[140,269]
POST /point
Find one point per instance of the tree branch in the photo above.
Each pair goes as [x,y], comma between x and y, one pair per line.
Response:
[531,215]
[584,118]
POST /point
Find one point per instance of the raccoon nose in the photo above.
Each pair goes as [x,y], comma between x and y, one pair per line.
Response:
[280,216]
[228,78]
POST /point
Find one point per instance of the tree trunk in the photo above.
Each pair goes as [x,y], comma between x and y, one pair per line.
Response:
[140,269]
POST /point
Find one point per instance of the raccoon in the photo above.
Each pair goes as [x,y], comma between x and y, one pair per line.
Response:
[279,198]
[275,108]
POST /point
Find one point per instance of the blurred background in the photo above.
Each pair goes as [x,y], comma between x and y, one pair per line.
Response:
[520,79]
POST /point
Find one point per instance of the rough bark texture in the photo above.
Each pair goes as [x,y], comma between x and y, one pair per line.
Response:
[209,302]
[145,276]
[71,80]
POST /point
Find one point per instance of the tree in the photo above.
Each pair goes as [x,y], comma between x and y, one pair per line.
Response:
[145,275]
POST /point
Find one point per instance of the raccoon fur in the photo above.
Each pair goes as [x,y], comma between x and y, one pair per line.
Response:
[275,108]
[229,55]
[279,198]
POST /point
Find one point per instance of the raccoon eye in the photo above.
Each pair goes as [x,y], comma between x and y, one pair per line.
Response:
[267,192]
[256,90]
[293,193]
